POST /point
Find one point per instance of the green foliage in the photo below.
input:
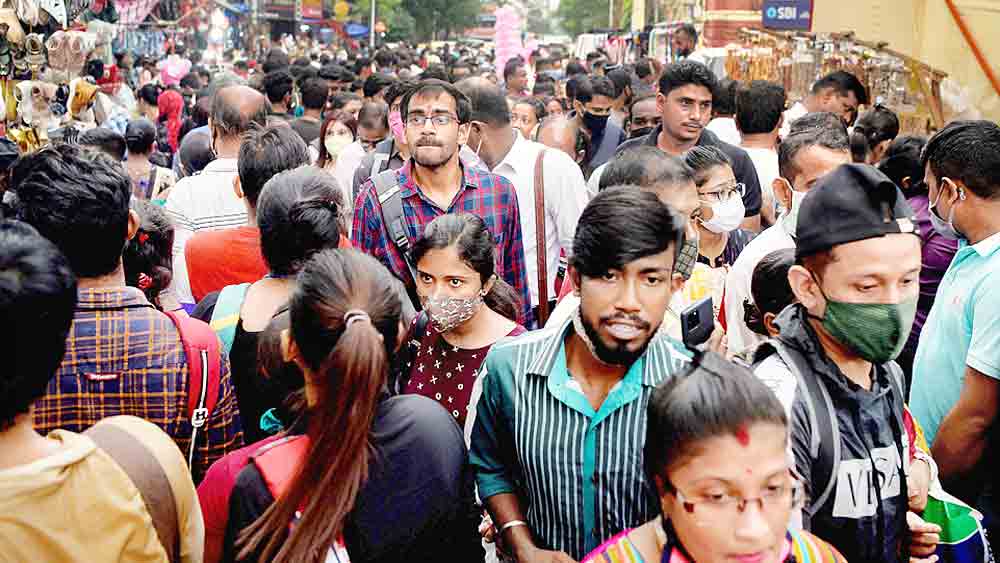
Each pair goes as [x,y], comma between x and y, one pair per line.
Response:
[580,16]
[438,19]
[399,22]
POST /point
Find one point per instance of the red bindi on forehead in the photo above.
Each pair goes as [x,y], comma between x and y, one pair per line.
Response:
[742,435]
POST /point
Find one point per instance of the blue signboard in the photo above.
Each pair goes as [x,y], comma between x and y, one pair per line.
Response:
[787,14]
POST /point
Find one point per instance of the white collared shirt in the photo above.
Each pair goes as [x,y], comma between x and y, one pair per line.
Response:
[203,202]
[565,198]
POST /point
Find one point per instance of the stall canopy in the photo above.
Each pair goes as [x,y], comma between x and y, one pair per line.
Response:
[356,30]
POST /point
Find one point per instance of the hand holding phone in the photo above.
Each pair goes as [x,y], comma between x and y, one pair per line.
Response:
[697,323]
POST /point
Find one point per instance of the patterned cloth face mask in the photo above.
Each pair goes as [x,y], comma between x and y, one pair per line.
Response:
[446,313]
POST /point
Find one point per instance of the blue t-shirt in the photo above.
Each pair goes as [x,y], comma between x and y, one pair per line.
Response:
[963,329]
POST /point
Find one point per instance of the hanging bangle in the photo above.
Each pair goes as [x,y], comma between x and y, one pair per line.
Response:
[511,524]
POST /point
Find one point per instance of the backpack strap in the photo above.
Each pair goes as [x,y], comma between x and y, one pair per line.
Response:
[380,162]
[148,476]
[825,431]
[404,358]
[226,314]
[277,463]
[279,460]
[391,201]
[204,358]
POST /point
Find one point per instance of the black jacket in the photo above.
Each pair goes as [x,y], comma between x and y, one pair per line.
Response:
[865,523]
[417,504]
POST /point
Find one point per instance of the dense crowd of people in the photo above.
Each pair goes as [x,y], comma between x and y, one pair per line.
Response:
[399,308]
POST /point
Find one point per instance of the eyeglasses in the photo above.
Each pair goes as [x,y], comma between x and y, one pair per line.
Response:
[726,507]
[724,192]
[438,119]
[370,144]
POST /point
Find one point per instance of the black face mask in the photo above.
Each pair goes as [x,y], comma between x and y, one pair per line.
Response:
[635,133]
[595,123]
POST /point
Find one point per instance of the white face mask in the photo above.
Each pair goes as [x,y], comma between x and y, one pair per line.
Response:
[726,215]
[335,144]
[791,220]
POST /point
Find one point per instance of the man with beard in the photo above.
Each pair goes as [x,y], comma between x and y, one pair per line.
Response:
[395,206]
[558,415]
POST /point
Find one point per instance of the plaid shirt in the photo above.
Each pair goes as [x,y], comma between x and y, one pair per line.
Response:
[485,194]
[125,357]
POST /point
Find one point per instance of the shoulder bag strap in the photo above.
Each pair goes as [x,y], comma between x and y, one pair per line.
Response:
[146,473]
[541,249]
[152,190]
[391,201]
[824,425]
[226,314]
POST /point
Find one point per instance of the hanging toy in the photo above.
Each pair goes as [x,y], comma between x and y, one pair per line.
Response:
[6,60]
[34,45]
[21,68]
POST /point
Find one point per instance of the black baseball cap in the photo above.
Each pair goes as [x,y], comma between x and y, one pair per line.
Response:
[853,202]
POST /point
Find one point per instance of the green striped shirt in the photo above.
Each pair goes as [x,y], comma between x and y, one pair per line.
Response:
[579,471]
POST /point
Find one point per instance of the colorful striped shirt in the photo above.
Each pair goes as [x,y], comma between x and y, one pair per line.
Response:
[534,434]
[483,193]
[125,357]
[800,547]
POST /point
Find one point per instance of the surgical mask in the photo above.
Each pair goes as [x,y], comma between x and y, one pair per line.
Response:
[946,228]
[595,123]
[875,331]
[396,125]
[687,257]
[726,215]
[636,133]
[335,143]
[447,313]
[791,220]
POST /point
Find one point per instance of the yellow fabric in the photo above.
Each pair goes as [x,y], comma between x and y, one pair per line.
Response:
[78,505]
[163,447]
[925,30]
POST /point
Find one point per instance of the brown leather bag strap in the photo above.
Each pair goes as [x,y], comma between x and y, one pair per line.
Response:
[145,472]
[541,249]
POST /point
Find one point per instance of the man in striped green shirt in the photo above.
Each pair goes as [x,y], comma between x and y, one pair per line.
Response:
[559,415]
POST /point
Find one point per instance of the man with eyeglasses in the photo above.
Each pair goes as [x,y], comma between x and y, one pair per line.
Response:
[856,284]
[373,125]
[685,103]
[436,181]
[392,152]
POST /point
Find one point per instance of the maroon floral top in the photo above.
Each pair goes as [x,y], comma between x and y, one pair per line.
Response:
[444,372]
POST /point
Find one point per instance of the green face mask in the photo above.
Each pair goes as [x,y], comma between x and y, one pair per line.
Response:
[875,331]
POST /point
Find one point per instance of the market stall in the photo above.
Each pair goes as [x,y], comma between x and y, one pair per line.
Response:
[797,59]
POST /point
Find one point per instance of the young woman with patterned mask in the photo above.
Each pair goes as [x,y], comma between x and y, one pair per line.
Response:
[466,309]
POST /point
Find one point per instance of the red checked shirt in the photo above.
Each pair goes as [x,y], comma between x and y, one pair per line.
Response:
[484,194]
[125,357]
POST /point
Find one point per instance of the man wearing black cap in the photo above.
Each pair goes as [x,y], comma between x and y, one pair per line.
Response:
[856,280]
